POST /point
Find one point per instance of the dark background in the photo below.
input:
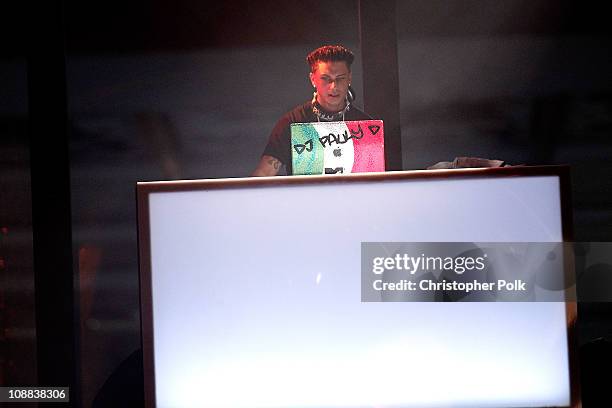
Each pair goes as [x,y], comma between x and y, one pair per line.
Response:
[191,89]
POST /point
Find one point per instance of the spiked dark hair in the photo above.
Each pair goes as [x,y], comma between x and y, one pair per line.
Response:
[329,53]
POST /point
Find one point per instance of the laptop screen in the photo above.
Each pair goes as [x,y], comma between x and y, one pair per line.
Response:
[338,147]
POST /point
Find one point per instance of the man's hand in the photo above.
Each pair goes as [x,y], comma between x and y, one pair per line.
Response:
[268,166]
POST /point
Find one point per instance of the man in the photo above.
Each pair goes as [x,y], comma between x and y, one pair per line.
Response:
[330,75]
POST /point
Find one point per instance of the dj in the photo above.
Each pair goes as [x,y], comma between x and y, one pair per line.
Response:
[330,75]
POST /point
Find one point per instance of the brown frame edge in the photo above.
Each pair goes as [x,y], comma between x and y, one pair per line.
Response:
[146,295]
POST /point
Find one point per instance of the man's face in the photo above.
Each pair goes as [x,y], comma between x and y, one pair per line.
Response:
[331,79]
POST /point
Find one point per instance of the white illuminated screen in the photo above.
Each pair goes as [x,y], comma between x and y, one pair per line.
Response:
[256,298]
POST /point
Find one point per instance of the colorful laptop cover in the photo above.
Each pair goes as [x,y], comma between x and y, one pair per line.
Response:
[338,147]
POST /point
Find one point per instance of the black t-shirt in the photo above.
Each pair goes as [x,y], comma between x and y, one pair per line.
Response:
[279,144]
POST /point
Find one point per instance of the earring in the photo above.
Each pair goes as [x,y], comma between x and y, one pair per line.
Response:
[350,94]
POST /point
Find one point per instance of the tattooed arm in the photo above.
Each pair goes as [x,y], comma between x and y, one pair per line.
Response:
[268,166]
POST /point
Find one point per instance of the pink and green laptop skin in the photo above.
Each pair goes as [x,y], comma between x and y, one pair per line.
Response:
[338,147]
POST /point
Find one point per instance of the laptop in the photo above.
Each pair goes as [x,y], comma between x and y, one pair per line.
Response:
[338,147]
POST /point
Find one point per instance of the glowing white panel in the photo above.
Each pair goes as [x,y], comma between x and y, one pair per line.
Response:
[256,298]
